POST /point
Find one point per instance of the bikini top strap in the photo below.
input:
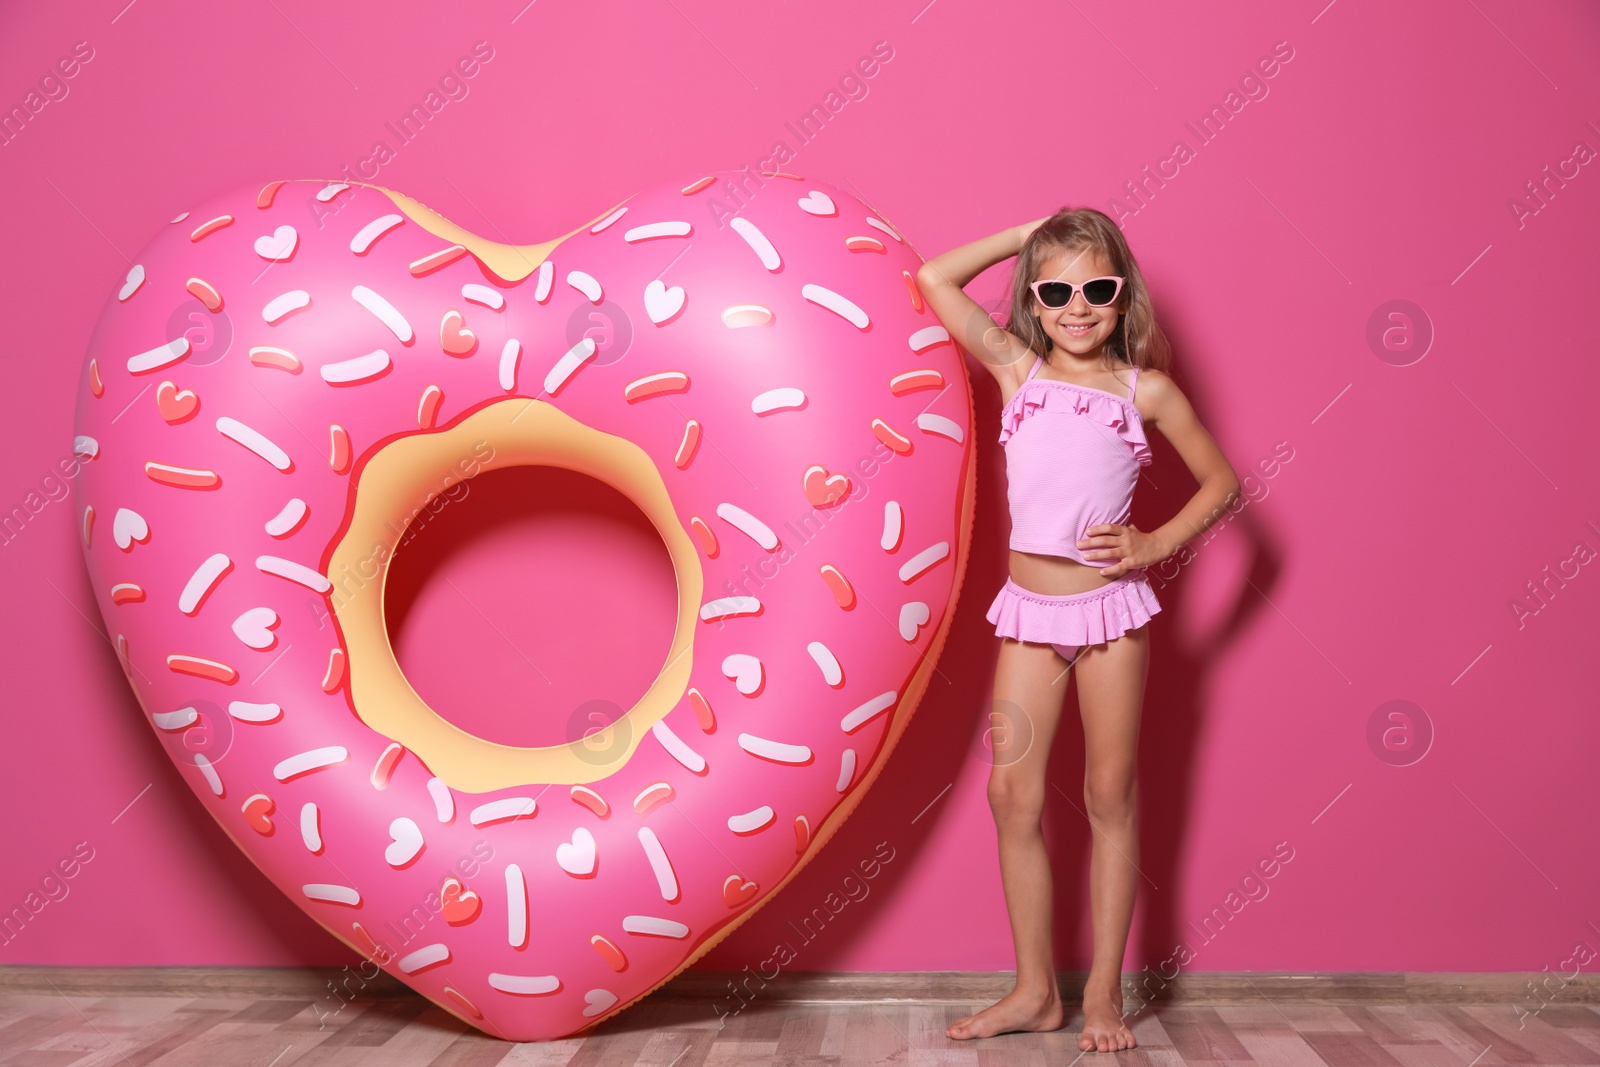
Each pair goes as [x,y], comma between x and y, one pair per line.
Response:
[1133,383]
[1037,363]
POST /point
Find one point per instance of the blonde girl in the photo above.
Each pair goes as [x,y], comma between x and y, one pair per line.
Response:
[1081,366]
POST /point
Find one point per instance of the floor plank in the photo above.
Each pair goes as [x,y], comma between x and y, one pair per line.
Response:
[168,1030]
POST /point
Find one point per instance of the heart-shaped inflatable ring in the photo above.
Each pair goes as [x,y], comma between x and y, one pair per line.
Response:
[292,372]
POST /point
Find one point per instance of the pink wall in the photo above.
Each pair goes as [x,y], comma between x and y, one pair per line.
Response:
[1399,508]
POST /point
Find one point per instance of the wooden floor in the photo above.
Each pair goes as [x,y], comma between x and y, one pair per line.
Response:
[71,1029]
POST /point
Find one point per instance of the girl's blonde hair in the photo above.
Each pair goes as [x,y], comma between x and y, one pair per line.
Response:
[1138,339]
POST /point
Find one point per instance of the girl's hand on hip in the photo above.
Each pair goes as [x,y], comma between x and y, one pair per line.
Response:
[1129,546]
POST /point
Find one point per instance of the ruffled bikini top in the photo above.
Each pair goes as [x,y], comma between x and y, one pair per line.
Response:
[1073,455]
[1115,412]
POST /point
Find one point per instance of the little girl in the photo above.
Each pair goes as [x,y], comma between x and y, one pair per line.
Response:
[1081,368]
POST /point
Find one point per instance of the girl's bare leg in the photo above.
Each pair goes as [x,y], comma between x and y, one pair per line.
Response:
[1111,680]
[1030,682]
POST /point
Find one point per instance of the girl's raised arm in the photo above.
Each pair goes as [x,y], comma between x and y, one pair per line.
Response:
[941,280]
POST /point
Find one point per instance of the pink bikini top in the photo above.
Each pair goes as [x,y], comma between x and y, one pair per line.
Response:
[1073,456]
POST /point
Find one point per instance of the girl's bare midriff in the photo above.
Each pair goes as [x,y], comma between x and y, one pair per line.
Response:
[1055,575]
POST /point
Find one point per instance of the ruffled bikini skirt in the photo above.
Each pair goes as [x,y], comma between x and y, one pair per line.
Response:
[1074,621]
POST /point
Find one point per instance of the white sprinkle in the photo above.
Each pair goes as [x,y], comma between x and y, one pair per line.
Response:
[482,294]
[654,927]
[279,306]
[940,425]
[426,956]
[827,298]
[786,398]
[739,316]
[444,802]
[666,880]
[306,762]
[331,190]
[332,894]
[311,827]
[725,607]
[202,581]
[128,526]
[609,219]
[162,356]
[541,288]
[827,662]
[866,712]
[372,231]
[923,560]
[501,810]
[658,229]
[234,430]
[751,821]
[929,336]
[578,857]
[287,520]
[175,720]
[884,226]
[586,284]
[913,616]
[85,447]
[247,712]
[510,356]
[131,284]
[597,1001]
[661,303]
[516,906]
[893,524]
[294,572]
[776,751]
[88,524]
[360,369]
[744,671]
[817,202]
[386,312]
[525,985]
[676,748]
[847,769]
[209,772]
[406,842]
[277,245]
[568,364]
[749,525]
[758,242]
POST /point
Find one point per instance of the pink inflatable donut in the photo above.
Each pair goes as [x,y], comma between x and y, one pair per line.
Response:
[293,371]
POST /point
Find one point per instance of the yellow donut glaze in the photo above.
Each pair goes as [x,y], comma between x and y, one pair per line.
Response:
[508,261]
[396,483]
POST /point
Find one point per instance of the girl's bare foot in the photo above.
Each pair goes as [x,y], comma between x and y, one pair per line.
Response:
[1016,1010]
[1103,1029]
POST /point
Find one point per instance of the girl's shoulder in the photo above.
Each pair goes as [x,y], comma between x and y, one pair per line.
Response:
[1155,391]
[1158,382]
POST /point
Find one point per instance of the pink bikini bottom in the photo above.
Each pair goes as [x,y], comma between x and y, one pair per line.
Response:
[1075,621]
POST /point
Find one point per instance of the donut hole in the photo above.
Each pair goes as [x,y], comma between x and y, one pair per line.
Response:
[533,609]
